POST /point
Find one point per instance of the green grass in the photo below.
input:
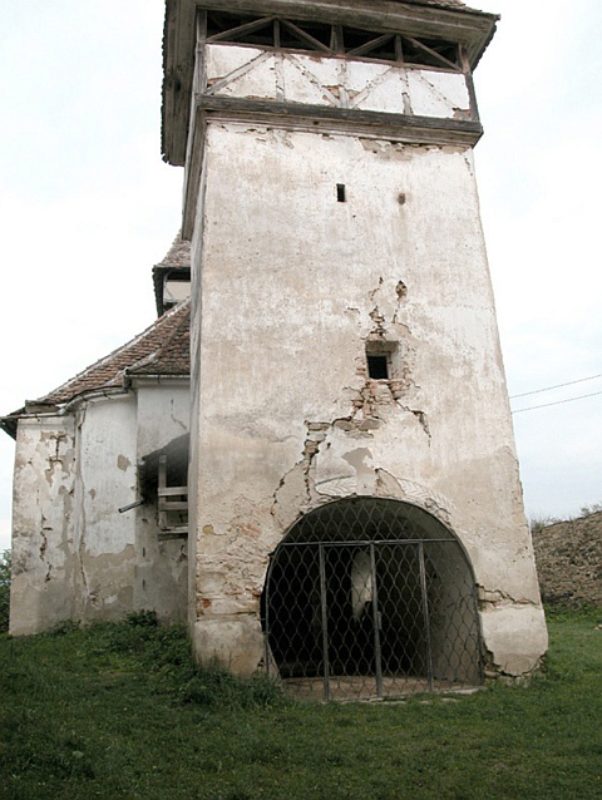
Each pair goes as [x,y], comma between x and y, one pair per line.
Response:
[118,711]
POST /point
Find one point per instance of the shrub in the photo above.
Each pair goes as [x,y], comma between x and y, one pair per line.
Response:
[215,687]
[537,524]
[142,619]
[587,511]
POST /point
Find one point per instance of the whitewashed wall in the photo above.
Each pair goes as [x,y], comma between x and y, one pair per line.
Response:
[44,571]
[292,285]
[105,540]
[162,566]
[75,556]
[247,72]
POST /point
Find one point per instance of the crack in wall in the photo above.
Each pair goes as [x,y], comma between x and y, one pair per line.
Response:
[497,597]
[175,419]
[44,548]
[367,402]
[494,671]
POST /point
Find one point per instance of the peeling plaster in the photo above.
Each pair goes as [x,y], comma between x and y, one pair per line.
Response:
[496,597]
[411,279]
[183,426]
[345,471]
[123,463]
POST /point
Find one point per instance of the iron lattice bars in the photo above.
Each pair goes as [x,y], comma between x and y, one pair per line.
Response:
[351,618]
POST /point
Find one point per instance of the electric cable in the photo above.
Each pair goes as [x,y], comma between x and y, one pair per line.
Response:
[558,386]
[557,402]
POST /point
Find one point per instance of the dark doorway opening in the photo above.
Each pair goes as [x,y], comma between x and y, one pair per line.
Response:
[369,597]
[378,367]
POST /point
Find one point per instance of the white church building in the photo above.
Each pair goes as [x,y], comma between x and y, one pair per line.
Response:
[311,459]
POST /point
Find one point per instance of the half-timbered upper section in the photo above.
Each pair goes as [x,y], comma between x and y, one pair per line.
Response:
[404,66]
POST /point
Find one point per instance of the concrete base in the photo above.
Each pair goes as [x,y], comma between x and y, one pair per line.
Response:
[515,638]
[234,642]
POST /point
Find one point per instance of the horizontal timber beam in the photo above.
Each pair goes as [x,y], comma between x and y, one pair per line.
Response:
[426,130]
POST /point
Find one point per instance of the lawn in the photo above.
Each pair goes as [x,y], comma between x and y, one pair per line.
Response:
[118,711]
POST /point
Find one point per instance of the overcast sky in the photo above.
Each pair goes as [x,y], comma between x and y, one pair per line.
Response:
[87,207]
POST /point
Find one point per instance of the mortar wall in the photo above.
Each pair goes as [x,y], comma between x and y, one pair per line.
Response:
[293,284]
[75,557]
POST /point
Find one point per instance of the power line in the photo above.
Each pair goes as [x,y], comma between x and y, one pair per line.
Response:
[557,402]
[558,386]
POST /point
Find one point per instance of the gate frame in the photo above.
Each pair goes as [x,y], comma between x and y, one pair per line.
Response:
[322,545]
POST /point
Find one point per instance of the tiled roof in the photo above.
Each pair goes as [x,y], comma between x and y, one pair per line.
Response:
[162,349]
[178,254]
[176,262]
[172,357]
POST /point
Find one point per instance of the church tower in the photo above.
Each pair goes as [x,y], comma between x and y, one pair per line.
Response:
[356,517]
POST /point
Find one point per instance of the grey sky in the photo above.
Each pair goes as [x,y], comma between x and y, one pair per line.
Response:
[87,207]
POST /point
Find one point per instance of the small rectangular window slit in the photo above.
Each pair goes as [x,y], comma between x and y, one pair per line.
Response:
[341,198]
[378,367]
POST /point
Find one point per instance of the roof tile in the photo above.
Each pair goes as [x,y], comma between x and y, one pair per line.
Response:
[162,349]
[178,254]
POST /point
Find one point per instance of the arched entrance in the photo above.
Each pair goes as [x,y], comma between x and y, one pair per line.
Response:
[371,597]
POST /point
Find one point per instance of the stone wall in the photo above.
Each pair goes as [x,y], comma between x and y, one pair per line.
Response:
[569,561]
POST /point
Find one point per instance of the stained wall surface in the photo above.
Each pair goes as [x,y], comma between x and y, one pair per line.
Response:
[43,572]
[308,79]
[293,287]
[75,557]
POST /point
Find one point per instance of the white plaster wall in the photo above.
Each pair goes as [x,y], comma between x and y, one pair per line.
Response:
[75,556]
[176,291]
[163,414]
[44,570]
[247,72]
[106,479]
[161,581]
[292,286]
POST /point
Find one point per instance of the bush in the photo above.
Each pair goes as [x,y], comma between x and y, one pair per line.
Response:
[587,511]
[537,524]
[4,590]
[215,687]
[142,619]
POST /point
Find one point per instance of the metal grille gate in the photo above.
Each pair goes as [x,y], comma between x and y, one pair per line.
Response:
[367,612]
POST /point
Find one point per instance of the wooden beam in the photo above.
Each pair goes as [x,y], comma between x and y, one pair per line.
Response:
[172,491]
[429,130]
[248,27]
[425,49]
[378,15]
[472,95]
[174,505]
[473,29]
[337,39]
[301,34]
[180,532]
[371,45]
[192,173]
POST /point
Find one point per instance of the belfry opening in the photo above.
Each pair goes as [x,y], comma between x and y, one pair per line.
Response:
[369,597]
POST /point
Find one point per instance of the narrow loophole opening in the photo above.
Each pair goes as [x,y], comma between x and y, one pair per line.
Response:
[341,195]
[378,367]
